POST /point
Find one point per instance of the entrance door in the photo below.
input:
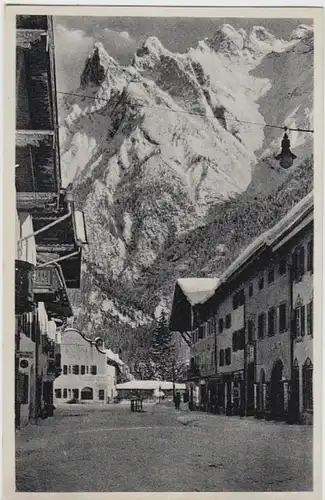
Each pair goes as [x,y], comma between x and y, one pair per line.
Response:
[277,393]
[295,389]
[250,388]
[87,393]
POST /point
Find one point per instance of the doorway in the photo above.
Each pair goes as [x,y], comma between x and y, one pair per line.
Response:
[87,393]
[250,388]
[277,393]
[295,393]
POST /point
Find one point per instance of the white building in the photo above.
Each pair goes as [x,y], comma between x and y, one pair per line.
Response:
[88,374]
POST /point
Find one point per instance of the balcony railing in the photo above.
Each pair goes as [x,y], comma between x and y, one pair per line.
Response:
[44,284]
[24,297]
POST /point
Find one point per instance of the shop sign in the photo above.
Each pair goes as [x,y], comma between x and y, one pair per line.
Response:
[25,354]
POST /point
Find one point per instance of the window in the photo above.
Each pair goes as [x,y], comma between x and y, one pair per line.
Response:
[271,322]
[65,393]
[282,317]
[75,393]
[270,276]
[220,325]
[94,370]
[69,367]
[238,340]
[310,318]
[212,358]
[101,394]
[261,283]
[201,332]
[250,330]
[65,370]
[282,266]
[241,297]
[310,256]
[241,339]
[238,299]
[307,384]
[58,393]
[250,289]
[234,341]
[228,356]
[221,357]
[261,325]
[75,369]
[228,321]
[87,369]
[298,263]
[82,369]
[299,321]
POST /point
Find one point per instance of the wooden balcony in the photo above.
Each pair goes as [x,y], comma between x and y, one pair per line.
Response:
[35,202]
[24,296]
[45,284]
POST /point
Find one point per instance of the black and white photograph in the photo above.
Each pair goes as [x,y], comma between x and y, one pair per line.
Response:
[165,176]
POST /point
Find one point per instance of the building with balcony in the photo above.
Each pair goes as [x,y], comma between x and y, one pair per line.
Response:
[49,231]
[251,338]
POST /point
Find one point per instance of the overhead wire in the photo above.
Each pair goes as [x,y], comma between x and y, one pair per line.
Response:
[191,113]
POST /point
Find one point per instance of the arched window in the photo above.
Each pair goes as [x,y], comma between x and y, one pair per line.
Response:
[307,381]
[87,393]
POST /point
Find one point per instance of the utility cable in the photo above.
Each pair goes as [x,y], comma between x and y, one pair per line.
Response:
[190,113]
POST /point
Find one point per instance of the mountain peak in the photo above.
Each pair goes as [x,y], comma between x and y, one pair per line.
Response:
[149,52]
[227,39]
[261,34]
[303,32]
[96,66]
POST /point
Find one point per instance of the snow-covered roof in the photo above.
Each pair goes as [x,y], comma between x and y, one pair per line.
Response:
[154,385]
[269,237]
[292,217]
[113,356]
[198,290]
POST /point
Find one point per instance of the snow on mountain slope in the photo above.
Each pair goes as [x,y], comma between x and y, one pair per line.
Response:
[152,148]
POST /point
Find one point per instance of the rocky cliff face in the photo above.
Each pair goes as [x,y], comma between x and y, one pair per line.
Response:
[160,150]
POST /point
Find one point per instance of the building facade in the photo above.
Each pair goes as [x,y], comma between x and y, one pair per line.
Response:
[251,340]
[49,232]
[88,374]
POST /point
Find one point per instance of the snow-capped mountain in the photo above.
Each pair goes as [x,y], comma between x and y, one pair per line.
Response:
[153,149]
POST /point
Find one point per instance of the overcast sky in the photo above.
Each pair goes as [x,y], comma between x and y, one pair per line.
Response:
[75,36]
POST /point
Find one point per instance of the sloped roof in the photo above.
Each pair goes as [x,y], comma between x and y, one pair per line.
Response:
[293,217]
[269,237]
[198,290]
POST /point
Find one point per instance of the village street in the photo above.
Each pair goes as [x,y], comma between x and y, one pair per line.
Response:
[109,448]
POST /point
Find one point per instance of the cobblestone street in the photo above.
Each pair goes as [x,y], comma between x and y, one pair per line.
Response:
[109,448]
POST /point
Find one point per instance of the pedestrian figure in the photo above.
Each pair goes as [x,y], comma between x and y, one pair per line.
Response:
[177,400]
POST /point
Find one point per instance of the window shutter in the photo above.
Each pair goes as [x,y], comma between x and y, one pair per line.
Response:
[234,344]
[310,256]
[294,323]
[310,318]
[302,261]
[294,264]
[242,339]
[302,320]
